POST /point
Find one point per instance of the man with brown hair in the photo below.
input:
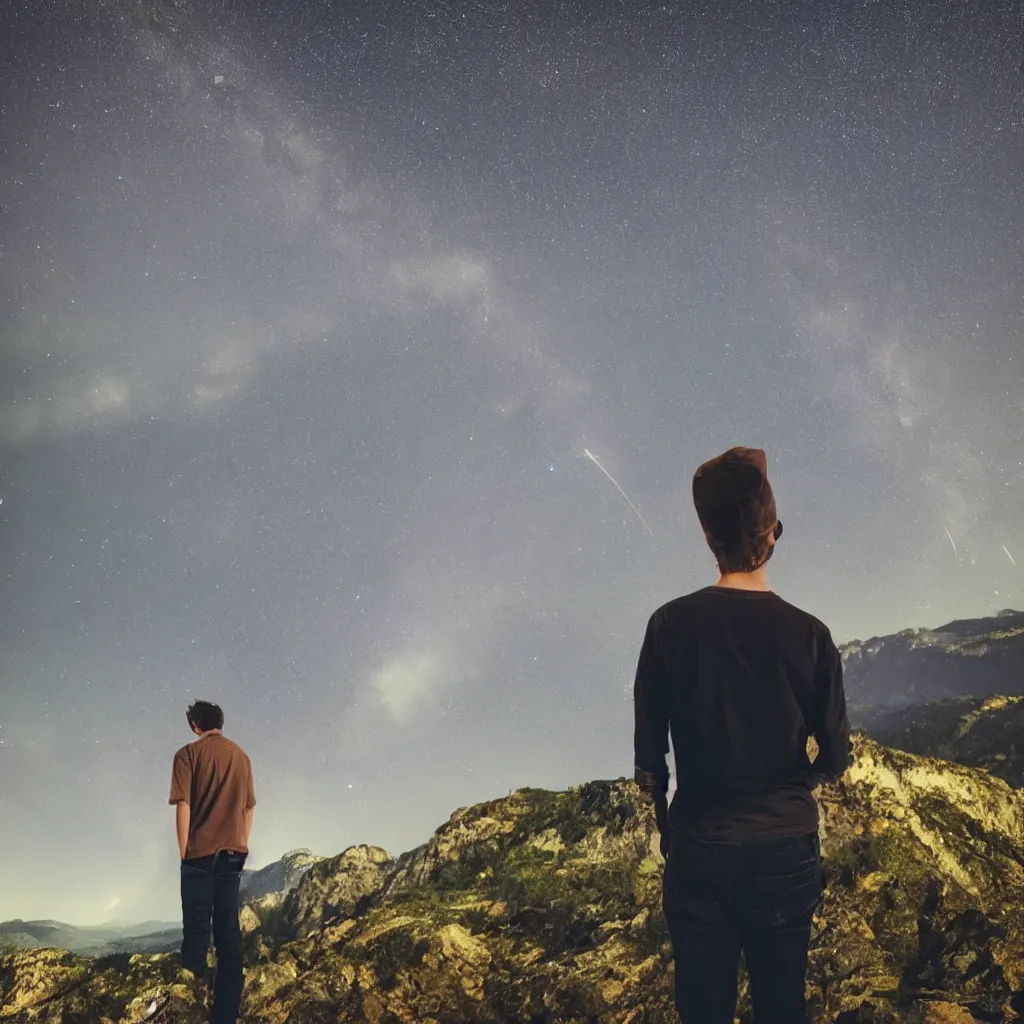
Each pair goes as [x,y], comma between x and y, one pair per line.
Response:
[212,792]
[740,678]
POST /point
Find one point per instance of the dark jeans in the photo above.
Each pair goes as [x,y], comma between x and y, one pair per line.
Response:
[757,898]
[209,896]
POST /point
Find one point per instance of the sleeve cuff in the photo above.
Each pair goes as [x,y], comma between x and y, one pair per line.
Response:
[651,780]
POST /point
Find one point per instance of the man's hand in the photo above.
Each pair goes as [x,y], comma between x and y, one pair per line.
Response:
[661,815]
[182,819]
[654,789]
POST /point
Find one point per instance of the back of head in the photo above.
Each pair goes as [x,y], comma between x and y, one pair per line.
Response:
[204,716]
[736,507]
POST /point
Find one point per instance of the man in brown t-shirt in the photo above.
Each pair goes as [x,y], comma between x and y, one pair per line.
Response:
[212,791]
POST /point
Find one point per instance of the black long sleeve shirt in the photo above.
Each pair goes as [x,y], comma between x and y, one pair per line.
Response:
[740,678]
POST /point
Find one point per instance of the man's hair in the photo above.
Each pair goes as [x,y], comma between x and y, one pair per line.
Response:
[205,716]
[736,507]
[746,555]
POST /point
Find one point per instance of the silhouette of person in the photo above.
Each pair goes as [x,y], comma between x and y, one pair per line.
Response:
[739,678]
[212,792]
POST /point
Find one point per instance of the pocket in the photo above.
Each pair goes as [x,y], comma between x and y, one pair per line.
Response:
[784,894]
[790,865]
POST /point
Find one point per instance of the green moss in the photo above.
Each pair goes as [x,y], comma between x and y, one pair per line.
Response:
[545,809]
[390,953]
[842,865]
[651,938]
[890,852]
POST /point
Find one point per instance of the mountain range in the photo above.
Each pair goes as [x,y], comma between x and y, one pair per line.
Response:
[149,936]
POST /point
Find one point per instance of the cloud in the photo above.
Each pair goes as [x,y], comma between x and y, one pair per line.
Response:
[410,678]
[87,400]
[887,363]
[301,252]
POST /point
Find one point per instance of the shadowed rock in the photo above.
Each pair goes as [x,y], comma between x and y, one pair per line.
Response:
[966,658]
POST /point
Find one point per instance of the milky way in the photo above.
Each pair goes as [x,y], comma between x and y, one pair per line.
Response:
[307,315]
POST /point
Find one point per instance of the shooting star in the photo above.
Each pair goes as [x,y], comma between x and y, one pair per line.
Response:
[593,459]
[951,541]
[946,528]
[1008,555]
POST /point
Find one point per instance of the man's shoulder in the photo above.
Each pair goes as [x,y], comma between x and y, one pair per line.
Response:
[795,609]
[678,605]
[184,753]
[686,605]
[801,613]
[232,747]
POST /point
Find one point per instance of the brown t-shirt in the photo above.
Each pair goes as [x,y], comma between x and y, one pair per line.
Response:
[214,777]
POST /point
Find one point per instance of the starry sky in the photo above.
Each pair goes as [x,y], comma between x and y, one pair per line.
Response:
[309,312]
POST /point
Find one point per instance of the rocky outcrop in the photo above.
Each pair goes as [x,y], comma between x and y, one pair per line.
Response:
[544,906]
[279,877]
[965,658]
[983,732]
[334,891]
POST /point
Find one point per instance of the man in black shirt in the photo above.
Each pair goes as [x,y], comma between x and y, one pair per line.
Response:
[740,679]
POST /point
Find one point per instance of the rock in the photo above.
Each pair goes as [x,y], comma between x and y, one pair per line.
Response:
[247,920]
[982,732]
[458,945]
[948,1013]
[334,889]
[279,877]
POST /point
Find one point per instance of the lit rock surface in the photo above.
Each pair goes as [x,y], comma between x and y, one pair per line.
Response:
[984,732]
[545,907]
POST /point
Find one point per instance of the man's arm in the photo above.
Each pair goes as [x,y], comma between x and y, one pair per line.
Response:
[831,727]
[650,731]
[182,819]
[250,805]
[181,793]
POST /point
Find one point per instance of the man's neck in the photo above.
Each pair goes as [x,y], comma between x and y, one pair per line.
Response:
[211,732]
[756,580]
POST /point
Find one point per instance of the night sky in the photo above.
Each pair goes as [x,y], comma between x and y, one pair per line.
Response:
[309,311]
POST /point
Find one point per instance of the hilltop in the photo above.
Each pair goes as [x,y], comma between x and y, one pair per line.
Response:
[544,906]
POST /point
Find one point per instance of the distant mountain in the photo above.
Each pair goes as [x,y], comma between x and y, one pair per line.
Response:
[274,881]
[149,937]
[282,876]
[964,658]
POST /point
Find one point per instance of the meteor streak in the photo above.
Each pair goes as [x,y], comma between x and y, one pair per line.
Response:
[593,459]
[946,528]
[951,541]
[1008,555]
